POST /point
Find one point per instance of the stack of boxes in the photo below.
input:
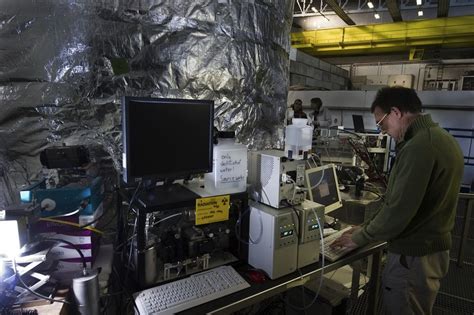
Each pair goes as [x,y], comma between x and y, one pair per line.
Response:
[56,203]
[308,72]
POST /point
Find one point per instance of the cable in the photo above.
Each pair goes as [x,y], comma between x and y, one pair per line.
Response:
[319,181]
[124,288]
[376,193]
[72,224]
[67,214]
[367,159]
[18,276]
[167,218]
[74,246]
[94,221]
[298,231]
[131,251]
[237,229]
[351,132]
[322,270]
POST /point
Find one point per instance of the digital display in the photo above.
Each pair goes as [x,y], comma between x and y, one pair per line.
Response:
[313,227]
[286,233]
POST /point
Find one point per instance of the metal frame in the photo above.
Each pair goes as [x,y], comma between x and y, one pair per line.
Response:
[259,292]
[465,228]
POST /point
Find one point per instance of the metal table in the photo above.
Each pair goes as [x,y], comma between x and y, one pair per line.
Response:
[259,292]
[469,197]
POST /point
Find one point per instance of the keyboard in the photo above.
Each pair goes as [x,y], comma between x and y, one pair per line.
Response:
[333,254]
[183,294]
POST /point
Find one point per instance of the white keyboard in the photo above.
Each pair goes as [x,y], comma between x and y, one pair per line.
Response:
[333,254]
[182,294]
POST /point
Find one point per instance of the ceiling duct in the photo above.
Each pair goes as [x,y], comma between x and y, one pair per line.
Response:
[394,9]
[339,11]
[443,8]
[440,33]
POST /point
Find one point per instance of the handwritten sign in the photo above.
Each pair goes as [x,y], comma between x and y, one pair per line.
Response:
[212,209]
[231,168]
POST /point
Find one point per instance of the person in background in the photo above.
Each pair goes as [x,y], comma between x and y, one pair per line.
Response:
[318,117]
[419,206]
[296,111]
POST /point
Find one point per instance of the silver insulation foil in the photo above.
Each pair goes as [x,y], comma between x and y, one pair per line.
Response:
[65,64]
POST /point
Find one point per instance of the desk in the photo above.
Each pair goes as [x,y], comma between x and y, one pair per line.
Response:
[259,292]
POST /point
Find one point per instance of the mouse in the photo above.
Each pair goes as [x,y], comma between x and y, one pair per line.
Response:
[255,276]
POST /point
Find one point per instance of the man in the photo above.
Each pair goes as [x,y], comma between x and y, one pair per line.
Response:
[318,117]
[418,212]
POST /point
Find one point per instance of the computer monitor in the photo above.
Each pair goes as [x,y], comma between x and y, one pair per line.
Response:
[358,121]
[166,139]
[323,187]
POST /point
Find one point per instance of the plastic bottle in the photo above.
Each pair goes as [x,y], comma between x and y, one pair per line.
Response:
[229,167]
[298,139]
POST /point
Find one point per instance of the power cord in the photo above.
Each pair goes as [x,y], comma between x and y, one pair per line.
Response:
[56,240]
[306,307]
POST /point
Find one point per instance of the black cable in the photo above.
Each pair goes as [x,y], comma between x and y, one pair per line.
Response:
[125,223]
[18,277]
[374,192]
[351,132]
[102,226]
[298,228]
[93,221]
[374,165]
[124,288]
[74,246]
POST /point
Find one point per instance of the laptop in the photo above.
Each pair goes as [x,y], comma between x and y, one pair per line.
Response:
[358,121]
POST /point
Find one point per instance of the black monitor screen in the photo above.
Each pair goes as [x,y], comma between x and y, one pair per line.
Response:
[166,138]
[358,121]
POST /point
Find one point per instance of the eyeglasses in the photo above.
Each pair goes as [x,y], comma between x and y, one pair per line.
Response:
[379,123]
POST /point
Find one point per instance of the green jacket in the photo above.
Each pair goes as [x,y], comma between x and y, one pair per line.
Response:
[418,212]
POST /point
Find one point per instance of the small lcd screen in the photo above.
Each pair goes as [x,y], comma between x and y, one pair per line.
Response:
[286,233]
[313,227]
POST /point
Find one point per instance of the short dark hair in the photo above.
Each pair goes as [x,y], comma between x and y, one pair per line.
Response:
[405,99]
[298,101]
[316,101]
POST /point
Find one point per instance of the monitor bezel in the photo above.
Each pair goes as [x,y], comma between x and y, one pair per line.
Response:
[130,178]
[332,168]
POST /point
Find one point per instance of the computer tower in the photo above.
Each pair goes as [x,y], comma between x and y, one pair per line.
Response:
[275,179]
[309,242]
[273,241]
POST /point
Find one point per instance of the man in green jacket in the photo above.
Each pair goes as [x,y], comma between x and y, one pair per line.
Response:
[419,207]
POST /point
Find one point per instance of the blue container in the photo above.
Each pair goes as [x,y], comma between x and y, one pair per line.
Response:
[60,201]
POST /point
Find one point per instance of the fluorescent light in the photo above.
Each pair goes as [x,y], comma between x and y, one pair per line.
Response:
[10,245]
[376,16]
[371,5]
[419,2]
[314,9]
[420,13]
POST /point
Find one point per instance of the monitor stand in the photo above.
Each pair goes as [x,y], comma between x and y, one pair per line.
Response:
[166,197]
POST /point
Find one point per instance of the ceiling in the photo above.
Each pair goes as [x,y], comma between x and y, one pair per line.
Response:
[321,18]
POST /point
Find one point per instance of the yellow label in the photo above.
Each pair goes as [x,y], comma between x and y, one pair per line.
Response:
[212,209]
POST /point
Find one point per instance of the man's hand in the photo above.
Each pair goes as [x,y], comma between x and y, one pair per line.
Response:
[346,239]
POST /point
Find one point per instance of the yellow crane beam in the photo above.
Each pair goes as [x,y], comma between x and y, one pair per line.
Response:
[449,32]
